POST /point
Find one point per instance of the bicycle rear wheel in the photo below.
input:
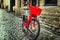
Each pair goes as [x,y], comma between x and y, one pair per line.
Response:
[32,32]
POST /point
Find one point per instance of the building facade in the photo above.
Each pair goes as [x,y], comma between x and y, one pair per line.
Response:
[18,5]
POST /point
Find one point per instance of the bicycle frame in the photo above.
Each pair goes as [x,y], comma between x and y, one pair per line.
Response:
[26,21]
[33,13]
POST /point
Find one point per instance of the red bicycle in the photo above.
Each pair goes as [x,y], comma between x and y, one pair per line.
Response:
[30,25]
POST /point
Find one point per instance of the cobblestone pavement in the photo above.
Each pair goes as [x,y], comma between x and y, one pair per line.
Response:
[10,29]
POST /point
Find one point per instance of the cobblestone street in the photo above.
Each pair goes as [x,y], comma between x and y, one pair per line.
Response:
[10,29]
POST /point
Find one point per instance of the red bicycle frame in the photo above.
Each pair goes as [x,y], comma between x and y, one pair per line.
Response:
[34,12]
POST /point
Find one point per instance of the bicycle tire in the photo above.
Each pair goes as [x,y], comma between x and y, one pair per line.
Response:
[37,32]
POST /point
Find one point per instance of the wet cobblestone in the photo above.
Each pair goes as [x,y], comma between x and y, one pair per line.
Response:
[10,29]
[10,26]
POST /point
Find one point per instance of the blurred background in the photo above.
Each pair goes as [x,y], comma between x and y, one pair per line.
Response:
[10,23]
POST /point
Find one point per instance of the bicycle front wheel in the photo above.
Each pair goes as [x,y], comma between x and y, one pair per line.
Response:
[33,30]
